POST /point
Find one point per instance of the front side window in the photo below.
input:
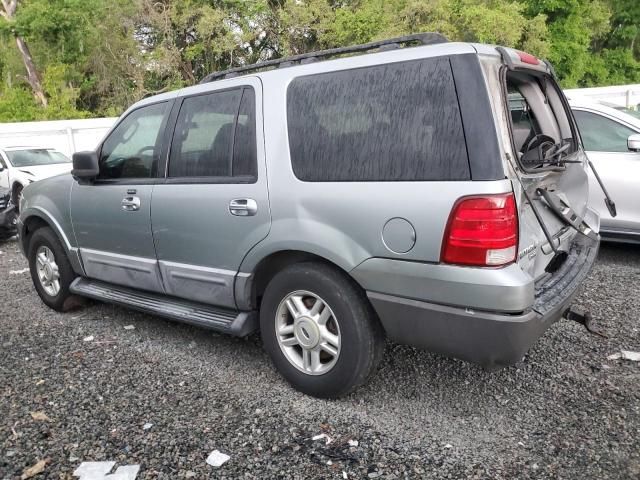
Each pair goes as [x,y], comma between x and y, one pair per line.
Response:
[394,122]
[132,150]
[35,157]
[215,136]
[601,134]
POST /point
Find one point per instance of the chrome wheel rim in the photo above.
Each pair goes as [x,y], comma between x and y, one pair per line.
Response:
[308,332]
[48,272]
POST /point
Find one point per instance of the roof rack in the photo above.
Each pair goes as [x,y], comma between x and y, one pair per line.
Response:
[427,38]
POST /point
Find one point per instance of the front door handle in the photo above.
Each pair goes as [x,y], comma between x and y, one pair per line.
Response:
[131,204]
[243,207]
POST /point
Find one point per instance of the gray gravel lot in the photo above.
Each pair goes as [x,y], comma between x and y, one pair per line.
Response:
[564,412]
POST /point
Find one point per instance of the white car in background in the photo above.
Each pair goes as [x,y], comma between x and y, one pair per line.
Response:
[611,138]
[20,166]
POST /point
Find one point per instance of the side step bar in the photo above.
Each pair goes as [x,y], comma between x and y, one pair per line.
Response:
[239,324]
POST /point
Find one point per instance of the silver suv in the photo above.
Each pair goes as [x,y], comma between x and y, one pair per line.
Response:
[331,200]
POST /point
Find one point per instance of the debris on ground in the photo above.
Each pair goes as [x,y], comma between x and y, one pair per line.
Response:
[217,458]
[129,327]
[18,272]
[40,416]
[147,426]
[88,339]
[100,470]
[34,470]
[323,436]
[353,443]
[625,355]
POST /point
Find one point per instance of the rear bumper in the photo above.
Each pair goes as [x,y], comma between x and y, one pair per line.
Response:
[488,338]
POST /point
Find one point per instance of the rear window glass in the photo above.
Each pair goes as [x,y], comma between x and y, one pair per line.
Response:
[394,122]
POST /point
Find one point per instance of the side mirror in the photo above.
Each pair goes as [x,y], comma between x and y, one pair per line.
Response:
[633,143]
[85,166]
[1,168]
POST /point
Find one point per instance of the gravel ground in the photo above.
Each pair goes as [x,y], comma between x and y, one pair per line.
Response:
[564,412]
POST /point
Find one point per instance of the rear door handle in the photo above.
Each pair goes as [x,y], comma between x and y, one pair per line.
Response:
[130,204]
[243,207]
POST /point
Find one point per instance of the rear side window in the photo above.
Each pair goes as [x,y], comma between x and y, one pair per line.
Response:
[215,136]
[394,122]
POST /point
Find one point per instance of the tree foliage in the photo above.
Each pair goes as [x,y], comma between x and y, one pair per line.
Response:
[96,57]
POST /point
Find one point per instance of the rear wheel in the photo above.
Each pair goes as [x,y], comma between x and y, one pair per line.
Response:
[51,271]
[320,330]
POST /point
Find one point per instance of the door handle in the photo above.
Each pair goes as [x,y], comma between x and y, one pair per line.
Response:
[130,204]
[243,207]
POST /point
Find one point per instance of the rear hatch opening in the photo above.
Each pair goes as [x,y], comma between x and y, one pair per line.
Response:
[547,168]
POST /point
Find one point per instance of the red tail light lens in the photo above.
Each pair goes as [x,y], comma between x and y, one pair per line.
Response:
[528,58]
[482,231]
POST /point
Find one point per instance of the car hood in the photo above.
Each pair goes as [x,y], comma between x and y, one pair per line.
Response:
[40,172]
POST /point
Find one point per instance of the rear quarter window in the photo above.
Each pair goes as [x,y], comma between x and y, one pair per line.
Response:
[392,122]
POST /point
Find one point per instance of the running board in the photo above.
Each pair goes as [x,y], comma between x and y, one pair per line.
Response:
[239,324]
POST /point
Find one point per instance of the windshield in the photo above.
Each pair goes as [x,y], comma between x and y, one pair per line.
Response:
[35,158]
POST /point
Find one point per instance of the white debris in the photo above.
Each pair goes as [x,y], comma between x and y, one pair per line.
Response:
[100,471]
[18,272]
[147,426]
[521,444]
[88,339]
[625,355]
[448,446]
[321,436]
[129,327]
[344,474]
[329,462]
[353,443]
[217,458]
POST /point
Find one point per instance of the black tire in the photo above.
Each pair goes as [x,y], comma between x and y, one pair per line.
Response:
[6,234]
[63,301]
[360,329]
[17,191]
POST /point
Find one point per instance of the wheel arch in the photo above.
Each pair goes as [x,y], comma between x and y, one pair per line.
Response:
[36,218]
[250,287]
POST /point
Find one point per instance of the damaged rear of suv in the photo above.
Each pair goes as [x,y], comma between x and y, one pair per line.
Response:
[431,192]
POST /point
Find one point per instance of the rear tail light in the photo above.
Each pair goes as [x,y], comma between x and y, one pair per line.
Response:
[482,231]
[528,58]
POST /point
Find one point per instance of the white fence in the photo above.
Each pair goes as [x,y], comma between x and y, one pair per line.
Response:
[67,136]
[621,95]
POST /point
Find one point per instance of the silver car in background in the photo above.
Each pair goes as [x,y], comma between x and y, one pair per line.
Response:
[611,139]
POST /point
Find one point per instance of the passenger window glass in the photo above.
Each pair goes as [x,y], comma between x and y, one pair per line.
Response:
[395,122]
[207,136]
[132,150]
[600,134]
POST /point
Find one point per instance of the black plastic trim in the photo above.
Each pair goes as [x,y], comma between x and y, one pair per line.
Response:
[477,118]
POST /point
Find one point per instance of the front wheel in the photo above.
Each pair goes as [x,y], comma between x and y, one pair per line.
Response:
[320,330]
[50,269]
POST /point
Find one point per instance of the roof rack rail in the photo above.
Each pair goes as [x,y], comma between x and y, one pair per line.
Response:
[427,38]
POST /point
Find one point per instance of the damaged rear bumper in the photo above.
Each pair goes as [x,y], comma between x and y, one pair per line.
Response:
[491,339]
